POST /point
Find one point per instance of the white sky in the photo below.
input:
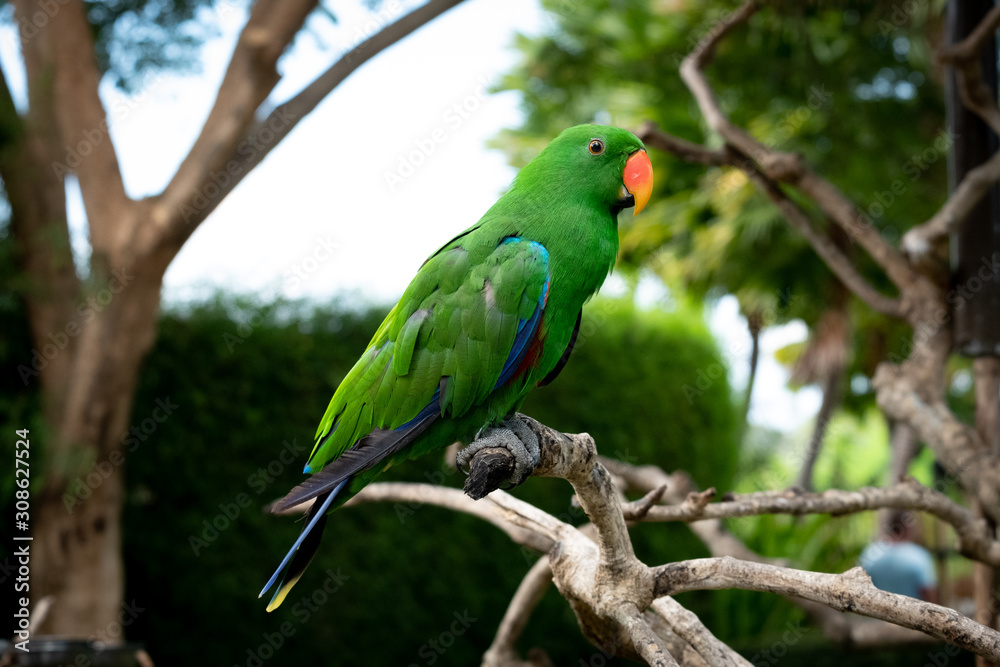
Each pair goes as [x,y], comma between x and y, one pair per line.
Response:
[341,228]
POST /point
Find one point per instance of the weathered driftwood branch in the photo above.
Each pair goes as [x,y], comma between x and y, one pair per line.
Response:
[686,625]
[975,538]
[605,584]
[501,652]
[414,495]
[611,591]
[683,502]
[851,591]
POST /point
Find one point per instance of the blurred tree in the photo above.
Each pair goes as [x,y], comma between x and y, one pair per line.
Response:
[91,326]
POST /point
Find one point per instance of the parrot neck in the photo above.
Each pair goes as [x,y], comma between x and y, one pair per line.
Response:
[580,235]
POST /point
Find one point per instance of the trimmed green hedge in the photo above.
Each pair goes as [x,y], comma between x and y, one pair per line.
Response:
[392,585]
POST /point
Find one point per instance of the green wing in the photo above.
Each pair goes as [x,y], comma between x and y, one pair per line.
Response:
[461,327]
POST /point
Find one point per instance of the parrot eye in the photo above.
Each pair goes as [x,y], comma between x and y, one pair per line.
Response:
[596,147]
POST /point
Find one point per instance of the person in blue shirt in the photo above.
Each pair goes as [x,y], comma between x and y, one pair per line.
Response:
[897,564]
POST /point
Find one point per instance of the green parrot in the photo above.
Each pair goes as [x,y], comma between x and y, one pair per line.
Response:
[489,316]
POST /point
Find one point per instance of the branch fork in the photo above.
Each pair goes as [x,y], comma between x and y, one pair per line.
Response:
[612,593]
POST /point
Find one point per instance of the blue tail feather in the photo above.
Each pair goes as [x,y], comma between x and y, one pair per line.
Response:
[313,520]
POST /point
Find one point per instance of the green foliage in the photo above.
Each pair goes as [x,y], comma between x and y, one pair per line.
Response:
[850,87]
[135,39]
[248,384]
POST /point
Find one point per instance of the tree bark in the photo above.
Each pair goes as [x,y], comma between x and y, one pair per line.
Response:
[612,592]
[86,368]
[77,546]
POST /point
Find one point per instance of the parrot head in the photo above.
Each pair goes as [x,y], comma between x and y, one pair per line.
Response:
[607,163]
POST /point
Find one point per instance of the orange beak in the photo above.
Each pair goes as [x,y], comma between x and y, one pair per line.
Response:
[638,179]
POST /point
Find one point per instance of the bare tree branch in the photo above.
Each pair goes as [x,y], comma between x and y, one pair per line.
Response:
[965,58]
[987,378]
[970,47]
[63,76]
[680,488]
[826,249]
[683,501]
[691,72]
[678,648]
[958,445]
[976,541]
[647,643]
[689,627]
[821,243]
[783,167]
[249,79]
[415,495]
[843,212]
[605,584]
[609,592]
[909,392]
[851,591]
[501,652]
[904,446]
[919,240]
[255,140]
[831,399]
[653,136]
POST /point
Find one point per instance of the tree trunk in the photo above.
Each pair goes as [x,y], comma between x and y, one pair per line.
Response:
[77,529]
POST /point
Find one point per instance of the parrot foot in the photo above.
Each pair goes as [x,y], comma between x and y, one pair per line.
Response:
[515,437]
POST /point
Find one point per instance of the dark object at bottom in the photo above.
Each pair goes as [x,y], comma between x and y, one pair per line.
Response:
[58,652]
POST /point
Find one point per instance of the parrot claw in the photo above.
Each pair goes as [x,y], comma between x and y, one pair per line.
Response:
[516,438]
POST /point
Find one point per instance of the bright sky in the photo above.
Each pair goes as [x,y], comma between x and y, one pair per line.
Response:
[391,165]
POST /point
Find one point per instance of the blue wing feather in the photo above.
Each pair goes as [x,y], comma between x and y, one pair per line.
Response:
[526,328]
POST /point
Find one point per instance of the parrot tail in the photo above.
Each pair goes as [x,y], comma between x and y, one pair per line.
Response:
[302,552]
[367,453]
